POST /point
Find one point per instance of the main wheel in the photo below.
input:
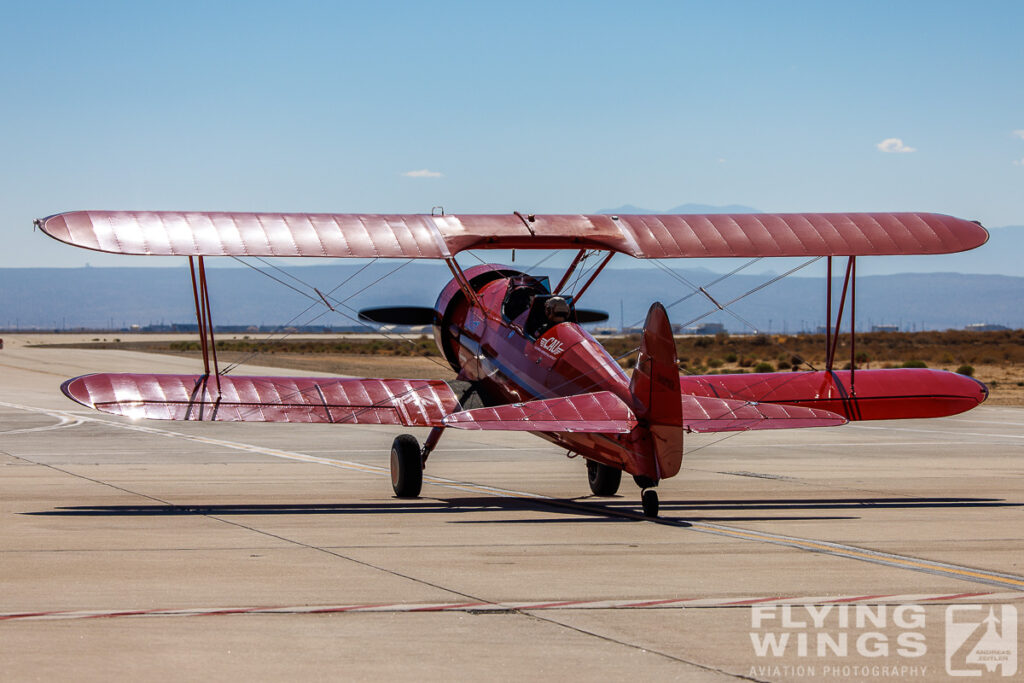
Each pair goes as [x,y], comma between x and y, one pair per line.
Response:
[604,479]
[649,498]
[406,466]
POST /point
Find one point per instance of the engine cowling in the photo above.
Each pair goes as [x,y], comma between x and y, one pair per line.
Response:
[452,306]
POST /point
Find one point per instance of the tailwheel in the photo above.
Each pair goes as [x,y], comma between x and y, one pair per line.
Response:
[604,479]
[406,466]
[649,498]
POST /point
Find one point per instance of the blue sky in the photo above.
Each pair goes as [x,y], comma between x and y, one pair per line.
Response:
[542,107]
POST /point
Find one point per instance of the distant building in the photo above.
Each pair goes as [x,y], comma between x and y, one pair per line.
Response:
[985,327]
[250,329]
[885,328]
[705,328]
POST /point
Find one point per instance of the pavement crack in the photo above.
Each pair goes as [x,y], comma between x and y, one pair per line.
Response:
[89,479]
[640,648]
[328,551]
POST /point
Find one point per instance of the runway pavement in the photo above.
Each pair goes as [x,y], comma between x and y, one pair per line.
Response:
[185,551]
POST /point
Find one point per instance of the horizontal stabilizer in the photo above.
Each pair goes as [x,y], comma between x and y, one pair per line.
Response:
[409,402]
[599,412]
[707,414]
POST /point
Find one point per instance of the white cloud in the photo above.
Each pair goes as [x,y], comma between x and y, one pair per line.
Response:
[894,146]
[423,173]
[1019,134]
[1018,162]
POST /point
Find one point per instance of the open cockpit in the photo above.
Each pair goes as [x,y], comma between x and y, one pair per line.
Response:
[530,306]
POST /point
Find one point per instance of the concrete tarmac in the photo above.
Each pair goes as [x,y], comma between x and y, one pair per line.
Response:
[187,551]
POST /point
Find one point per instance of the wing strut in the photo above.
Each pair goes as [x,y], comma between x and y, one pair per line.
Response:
[464,284]
[204,318]
[593,277]
[572,268]
[832,333]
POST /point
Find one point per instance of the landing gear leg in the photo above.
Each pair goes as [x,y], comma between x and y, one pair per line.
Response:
[649,497]
[430,443]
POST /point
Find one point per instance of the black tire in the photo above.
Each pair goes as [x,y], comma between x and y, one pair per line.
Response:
[644,482]
[604,479]
[406,466]
[649,499]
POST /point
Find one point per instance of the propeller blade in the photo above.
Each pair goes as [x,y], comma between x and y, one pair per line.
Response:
[584,316]
[399,315]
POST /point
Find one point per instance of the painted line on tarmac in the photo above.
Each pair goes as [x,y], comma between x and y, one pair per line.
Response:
[278,453]
[866,555]
[984,422]
[399,607]
[856,444]
[999,579]
[63,421]
[986,435]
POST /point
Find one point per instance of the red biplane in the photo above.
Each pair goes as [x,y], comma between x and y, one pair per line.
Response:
[518,342]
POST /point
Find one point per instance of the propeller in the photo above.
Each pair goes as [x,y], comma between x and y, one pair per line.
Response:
[421,315]
[399,315]
[584,316]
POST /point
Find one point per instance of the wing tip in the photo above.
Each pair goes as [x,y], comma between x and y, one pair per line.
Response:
[47,225]
[75,228]
[76,390]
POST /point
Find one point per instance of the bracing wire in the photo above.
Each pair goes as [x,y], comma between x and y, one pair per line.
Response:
[284,326]
[317,300]
[323,299]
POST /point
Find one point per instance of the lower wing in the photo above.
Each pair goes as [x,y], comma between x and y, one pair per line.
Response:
[409,402]
[875,394]
[604,412]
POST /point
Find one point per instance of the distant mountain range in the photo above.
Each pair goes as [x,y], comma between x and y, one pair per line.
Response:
[683,208]
[48,298]
[985,285]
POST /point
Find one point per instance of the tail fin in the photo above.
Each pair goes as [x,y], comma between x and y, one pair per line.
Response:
[657,394]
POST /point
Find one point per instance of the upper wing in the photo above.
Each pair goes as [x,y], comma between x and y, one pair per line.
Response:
[409,402]
[425,236]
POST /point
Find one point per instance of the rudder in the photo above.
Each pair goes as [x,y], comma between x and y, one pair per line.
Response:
[657,395]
